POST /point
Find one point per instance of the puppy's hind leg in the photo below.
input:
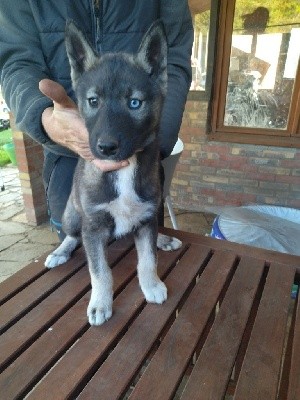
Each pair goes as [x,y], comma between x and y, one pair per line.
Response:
[71,224]
[168,243]
[63,253]
[154,289]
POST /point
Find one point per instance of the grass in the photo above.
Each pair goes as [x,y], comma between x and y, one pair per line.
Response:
[5,136]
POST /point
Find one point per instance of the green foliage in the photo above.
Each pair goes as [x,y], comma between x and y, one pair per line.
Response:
[201,22]
[4,158]
[280,13]
[5,136]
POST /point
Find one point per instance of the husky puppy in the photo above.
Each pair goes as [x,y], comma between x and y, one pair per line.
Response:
[120,97]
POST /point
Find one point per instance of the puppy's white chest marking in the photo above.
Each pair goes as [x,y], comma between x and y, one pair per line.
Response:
[127,209]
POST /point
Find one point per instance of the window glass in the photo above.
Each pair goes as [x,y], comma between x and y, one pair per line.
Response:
[263,63]
[201,19]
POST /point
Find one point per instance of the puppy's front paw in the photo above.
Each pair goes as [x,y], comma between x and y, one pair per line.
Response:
[156,293]
[53,260]
[168,243]
[98,314]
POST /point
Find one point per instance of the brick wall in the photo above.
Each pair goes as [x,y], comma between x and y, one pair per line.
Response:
[208,173]
[215,173]
[30,157]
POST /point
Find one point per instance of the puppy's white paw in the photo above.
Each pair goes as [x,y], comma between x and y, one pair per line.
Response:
[98,314]
[53,260]
[168,243]
[156,294]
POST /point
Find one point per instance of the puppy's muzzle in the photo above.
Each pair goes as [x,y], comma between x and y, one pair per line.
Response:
[107,148]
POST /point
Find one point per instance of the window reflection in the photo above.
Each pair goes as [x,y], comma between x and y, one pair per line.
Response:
[263,64]
[200,10]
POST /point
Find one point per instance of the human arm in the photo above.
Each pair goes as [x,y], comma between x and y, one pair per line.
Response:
[180,35]
[24,65]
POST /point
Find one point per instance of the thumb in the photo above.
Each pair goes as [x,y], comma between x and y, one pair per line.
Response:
[56,93]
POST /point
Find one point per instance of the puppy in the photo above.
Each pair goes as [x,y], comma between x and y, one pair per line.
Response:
[120,97]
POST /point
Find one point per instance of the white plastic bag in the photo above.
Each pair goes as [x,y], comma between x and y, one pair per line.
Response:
[270,227]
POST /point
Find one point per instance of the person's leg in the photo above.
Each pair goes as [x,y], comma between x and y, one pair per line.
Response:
[161,213]
[58,176]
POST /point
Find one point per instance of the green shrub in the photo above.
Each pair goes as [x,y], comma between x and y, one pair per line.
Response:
[5,136]
[4,159]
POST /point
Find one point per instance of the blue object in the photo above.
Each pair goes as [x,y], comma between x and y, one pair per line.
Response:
[216,231]
[269,227]
[294,291]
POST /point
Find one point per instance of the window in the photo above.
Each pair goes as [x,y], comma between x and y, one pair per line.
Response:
[203,48]
[257,76]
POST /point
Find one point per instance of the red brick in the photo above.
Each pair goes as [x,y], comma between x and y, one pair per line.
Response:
[288,179]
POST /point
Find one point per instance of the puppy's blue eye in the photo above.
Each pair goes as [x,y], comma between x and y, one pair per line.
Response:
[93,101]
[134,104]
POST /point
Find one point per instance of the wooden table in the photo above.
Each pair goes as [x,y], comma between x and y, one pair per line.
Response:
[229,327]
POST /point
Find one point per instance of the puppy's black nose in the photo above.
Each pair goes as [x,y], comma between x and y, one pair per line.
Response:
[107,148]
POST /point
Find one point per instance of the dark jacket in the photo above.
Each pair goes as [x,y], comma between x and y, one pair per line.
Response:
[32,48]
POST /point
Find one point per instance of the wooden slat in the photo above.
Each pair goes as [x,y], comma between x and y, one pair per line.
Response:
[31,365]
[42,317]
[18,378]
[165,370]
[131,351]
[21,279]
[260,371]
[54,354]
[75,367]
[24,300]
[239,249]
[213,368]
[34,270]
[294,381]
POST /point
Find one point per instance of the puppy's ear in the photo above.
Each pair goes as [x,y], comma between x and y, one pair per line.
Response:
[81,55]
[152,54]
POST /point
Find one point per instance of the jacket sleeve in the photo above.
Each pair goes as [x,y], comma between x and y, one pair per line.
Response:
[22,67]
[180,34]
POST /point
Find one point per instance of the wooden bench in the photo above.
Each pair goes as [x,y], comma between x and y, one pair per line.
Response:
[228,328]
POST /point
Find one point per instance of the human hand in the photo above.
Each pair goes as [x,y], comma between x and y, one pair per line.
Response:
[65,126]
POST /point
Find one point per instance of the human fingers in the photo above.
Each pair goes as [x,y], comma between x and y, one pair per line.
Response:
[106,166]
[56,93]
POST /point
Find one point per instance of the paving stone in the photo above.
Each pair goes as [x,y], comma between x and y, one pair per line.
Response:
[8,179]
[188,221]
[43,235]
[9,268]
[8,204]
[21,217]
[13,228]
[11,212]
[9,240]
[24,253]
[7,196]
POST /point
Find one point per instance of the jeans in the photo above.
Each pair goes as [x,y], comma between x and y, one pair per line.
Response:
[58,175]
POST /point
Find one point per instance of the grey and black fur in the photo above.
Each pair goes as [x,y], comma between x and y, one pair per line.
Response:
[120,98]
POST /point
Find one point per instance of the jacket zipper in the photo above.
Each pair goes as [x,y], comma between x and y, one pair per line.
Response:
[98,15]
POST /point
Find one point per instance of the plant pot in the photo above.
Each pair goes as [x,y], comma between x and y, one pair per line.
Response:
[4,158]
[10,150]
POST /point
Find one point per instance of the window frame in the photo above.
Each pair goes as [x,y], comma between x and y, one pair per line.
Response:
[205,95]
[217,131]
